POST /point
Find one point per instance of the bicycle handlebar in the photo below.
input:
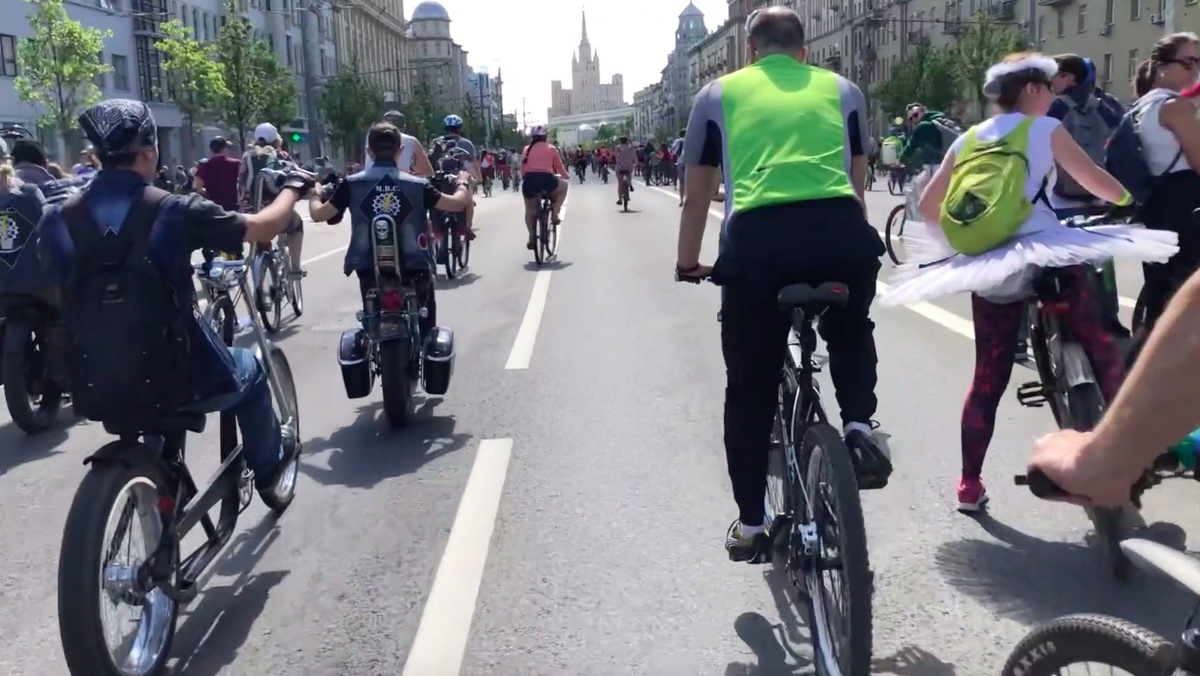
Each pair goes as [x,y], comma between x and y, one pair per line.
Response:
[1111,216]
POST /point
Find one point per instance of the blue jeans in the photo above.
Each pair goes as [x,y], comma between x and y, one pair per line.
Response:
[251,405]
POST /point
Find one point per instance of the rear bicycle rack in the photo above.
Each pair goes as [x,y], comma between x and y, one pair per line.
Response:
[1032,394]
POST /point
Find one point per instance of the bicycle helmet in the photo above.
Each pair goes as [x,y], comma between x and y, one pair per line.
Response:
[539,130]
[453,122]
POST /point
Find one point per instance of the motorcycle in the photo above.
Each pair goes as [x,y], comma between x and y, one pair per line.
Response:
[389,345]
[32,394]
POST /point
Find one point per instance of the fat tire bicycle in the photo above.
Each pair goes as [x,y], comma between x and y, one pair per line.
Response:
[1108,641]
[545,238]
[168,505]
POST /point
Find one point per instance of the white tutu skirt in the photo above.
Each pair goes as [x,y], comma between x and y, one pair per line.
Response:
[1005,274]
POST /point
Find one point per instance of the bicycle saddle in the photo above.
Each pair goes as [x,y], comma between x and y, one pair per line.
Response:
[1180,567]
[179,422]
[813,299]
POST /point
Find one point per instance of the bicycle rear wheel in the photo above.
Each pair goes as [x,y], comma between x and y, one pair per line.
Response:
[1091,639]
[1085,406]
[893,231]
[267,296]
[538,245]
[451,250]
[841,646]
[550,239]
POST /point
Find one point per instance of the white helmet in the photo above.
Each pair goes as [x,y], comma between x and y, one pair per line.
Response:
[266,132]
[538,130]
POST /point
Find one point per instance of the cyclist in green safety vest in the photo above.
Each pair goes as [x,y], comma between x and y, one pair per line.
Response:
[790,142]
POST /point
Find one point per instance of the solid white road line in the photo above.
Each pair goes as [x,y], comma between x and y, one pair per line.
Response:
[522,349]
[445,624]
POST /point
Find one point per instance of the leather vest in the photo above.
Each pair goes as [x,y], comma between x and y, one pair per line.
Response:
[21,270]
[383,194]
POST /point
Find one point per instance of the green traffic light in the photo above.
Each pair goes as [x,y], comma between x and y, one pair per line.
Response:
[296,136]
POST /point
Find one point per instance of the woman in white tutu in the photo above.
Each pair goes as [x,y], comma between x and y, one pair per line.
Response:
[1000,279]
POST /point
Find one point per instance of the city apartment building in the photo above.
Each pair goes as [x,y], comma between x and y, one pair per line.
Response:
[372,35]
[435,59]
[865,40]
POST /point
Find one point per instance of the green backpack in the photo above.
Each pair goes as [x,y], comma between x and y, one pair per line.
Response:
[985,204]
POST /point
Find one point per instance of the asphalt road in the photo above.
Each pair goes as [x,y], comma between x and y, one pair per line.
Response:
[562,510]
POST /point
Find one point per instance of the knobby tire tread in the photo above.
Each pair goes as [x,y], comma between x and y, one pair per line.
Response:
[823,443]
[1077,639]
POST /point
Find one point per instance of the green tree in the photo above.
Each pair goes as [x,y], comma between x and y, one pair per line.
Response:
[350,104]
[422,114]
[980,45]
[194,75]
[277,86]
[927,76]
[239,110]
[57,66]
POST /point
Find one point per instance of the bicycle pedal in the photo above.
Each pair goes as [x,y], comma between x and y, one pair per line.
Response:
[1032,394]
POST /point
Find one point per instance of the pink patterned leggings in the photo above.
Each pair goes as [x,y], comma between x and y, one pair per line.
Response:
[996,327]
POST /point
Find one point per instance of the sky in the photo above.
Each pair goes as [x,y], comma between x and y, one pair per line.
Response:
[533,41]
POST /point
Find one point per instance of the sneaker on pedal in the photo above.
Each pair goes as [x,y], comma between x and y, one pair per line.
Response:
[872,466]
[972,496]
[754,548]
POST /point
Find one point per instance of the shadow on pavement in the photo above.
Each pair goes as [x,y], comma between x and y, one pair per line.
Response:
[1033,581]
[532,266]
[465,279]
[367,451]
[211,633]
[18,448]
[912,661]
[777,647]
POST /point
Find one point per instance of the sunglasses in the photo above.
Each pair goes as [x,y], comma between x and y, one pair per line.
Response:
[1190,63]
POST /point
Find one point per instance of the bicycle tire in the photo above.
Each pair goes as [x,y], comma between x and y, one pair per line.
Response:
[297,296]
[223,317]
[450,246]
[464,253]
[1085,407]
[551,239]
[892,218]
[268,314]
[1099,639]
[275,500]
[539,236]
[822,443]
[81,556]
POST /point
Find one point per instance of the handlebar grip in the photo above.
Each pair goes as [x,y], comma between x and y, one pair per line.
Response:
[1040,485]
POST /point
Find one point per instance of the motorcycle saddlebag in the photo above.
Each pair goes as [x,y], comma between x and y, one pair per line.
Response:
[439,361]
[357,375]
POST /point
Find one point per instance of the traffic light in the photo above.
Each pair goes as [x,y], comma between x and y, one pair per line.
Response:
[297,137]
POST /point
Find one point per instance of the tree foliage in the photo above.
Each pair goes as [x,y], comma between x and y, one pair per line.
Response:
[278,92]
[235,44]
[57,65]
[981,44]
[927,75]
[422,114]
[193,73]
[350,104]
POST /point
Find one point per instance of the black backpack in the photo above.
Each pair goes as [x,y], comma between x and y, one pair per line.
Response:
[127,326]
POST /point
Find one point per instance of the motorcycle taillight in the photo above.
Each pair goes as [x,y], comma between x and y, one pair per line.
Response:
[390,300]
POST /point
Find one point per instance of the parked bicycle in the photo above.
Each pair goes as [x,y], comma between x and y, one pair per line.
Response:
[142,481]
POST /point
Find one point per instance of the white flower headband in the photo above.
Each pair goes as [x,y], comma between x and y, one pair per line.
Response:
[991,81]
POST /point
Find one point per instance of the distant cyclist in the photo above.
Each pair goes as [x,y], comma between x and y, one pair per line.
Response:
[542,171]
[413,158]
[790,141]
[452,153]
[624,160]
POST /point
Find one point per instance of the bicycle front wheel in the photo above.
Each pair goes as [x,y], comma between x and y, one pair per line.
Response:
[296,293]
[540,244]
[893,232]
[1092,640]
[841,635]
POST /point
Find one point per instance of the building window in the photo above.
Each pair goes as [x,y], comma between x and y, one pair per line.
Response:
[1041,28]
[1106,71]
[120,66]
[1082,18]
[288,43]
[1061,22]
[1133,64]
[100,80]
[196,22]
[1110,11]
[150,73]
[1135,10]
[8,55]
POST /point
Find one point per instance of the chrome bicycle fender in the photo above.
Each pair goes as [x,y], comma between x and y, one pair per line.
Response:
[1075,367]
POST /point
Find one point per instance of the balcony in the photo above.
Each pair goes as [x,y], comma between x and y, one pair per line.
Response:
[916,35]
[952,26]
[867,53]
[1005,10]
[833,61]
[1054,3]
[872,16]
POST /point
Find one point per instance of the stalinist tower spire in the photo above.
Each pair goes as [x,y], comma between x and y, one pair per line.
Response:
[585,40]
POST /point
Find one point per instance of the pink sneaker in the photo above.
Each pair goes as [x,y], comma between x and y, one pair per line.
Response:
[972,496]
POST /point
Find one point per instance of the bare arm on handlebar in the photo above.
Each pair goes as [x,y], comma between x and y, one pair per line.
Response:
[421,165]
